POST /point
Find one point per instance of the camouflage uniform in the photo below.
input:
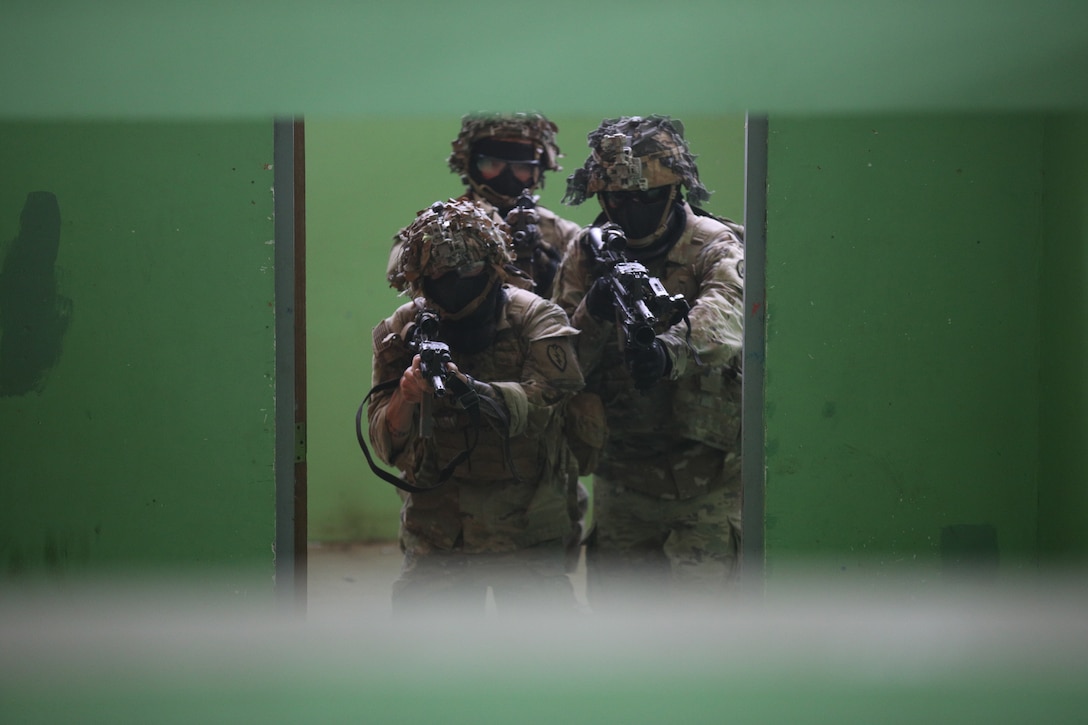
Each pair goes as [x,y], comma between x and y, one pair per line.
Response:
[667,493]
[504,512]
[526,271]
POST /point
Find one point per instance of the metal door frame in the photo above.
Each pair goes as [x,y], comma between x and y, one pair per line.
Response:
[289,172]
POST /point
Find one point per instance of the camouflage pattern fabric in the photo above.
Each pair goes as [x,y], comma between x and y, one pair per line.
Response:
[555,232]
[514,491]
[532,127]
[679,442]
[643,546]
[650,432]
[449,235]
[636,153]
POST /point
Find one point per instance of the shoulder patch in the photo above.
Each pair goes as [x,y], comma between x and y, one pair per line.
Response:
[557,354]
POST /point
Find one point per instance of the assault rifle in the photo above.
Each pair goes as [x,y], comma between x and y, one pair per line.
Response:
[533,257]
[434,360]
[640,300]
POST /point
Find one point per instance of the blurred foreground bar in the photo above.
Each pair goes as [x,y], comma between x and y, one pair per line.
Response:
[982,651]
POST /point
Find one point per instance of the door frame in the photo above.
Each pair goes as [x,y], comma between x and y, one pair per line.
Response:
[753,461]
[289,172]
[290,262]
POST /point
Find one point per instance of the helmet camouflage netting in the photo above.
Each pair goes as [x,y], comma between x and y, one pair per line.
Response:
[636,153]
[450,235]
[528,126]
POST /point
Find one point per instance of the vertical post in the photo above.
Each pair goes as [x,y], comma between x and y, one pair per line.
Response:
[301,482]
[753,469]
[290,272]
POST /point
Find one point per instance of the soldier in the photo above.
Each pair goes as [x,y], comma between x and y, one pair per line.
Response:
[498,157]
[488,464]
[667,496]
[501,159]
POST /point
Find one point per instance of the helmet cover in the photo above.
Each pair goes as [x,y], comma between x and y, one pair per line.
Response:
[635,153]
[532,127]
[450,235]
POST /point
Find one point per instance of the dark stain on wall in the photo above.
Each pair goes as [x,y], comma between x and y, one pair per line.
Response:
[33,314]
[58,552]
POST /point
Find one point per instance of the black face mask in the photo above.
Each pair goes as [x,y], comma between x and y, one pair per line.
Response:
[660,246]
[473,333]
[505,184]
[638,213]
[452,292]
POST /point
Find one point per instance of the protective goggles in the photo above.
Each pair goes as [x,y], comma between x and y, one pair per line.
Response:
[491,166]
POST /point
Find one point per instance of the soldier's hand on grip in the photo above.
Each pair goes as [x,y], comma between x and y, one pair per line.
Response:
[599,301]
[648,365]
[412,383]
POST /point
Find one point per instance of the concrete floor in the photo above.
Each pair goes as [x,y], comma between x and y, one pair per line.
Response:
[350,577]
[353,577]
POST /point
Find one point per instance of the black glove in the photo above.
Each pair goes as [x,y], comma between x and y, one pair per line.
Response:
[599,301]
[545,264]
[648,365]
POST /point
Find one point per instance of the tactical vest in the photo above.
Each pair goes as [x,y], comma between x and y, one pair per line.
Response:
[704,405]
[509,493]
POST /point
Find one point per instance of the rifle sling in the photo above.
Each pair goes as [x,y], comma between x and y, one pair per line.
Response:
[469,401]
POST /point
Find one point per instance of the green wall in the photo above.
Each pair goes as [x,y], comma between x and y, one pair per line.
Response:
[429,58]
[926,401]
[137,354]
[902,388]
[365,179]
[1063,325]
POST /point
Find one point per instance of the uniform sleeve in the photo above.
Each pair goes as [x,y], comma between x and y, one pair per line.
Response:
[555,231]
[389,361]
[717,312]
[551,374]
[572,282]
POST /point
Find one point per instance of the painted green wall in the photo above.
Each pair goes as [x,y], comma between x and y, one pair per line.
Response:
[136,357]
[902,378]
[1063,325]
[430,58]
[366,178]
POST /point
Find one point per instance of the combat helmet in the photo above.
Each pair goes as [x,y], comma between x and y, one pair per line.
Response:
[634,153]
[447,236]
[529,126]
